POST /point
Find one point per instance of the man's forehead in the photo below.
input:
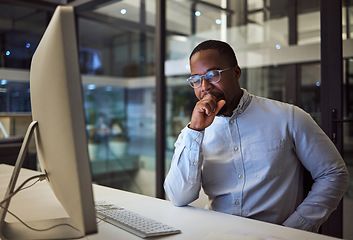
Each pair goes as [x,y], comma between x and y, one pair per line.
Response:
[209,59]
[205,56]
[205,53]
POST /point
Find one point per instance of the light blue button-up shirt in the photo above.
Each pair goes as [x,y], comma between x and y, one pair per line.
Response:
[251,165]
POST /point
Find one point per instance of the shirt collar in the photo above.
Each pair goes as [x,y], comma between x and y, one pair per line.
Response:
[243,103]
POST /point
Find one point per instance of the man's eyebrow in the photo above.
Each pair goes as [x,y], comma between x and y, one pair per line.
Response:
[210,69]
[213,68]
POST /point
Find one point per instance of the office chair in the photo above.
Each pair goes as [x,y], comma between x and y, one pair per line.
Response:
[9,150]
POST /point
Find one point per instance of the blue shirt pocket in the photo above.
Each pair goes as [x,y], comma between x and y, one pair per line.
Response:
[268,158]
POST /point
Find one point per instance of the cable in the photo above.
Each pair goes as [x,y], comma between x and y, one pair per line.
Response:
[101,219]
[40,230]
[40,177]
[43,229]
[24,188]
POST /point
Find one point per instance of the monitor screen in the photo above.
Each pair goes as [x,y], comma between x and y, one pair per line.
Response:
[60,135]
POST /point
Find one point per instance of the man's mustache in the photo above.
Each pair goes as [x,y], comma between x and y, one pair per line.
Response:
[219,95]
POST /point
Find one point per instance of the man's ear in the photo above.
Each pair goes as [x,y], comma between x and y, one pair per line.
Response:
[237,71]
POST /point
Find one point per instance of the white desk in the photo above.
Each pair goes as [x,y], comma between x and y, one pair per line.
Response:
[39,202]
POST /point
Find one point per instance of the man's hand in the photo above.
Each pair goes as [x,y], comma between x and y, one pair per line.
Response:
[205,111]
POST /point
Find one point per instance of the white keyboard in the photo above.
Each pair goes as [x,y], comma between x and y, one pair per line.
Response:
[132,222]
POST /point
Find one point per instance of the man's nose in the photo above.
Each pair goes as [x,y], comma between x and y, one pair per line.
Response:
[205,85]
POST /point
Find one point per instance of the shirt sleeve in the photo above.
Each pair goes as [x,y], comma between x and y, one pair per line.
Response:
[321,158]
[183,182]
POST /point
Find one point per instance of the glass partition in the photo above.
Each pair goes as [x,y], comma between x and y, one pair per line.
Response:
[270,39]
[310,91]
[347,20]
[14,96]
[21,30]
[308,22]
[117,63]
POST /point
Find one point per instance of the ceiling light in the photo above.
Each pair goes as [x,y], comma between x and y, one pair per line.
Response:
[91,87]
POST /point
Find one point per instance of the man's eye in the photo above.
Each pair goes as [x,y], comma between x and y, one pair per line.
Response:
[210,75]
[196,79]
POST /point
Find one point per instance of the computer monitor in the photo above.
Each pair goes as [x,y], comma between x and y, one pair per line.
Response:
[60,135]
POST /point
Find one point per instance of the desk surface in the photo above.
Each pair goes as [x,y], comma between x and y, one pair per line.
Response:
[195,223]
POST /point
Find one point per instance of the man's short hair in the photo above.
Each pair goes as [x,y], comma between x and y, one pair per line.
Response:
[222,47]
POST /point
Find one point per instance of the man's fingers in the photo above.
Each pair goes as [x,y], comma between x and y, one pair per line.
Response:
[207,107]
[210,109]
[204,114]
[220,104]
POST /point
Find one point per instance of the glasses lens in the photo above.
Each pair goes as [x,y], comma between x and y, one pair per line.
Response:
[212,76]
[194,81]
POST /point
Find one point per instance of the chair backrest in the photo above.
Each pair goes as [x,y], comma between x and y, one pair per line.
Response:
[9,150]
[14,139]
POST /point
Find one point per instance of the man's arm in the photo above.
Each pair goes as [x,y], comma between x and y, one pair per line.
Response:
[183,182]
[318,155]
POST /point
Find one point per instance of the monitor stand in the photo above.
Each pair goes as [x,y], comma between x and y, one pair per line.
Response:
[17,230]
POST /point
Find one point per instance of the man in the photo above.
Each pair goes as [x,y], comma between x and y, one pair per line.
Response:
[248,152]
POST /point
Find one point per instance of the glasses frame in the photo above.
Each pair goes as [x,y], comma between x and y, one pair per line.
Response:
[189,80]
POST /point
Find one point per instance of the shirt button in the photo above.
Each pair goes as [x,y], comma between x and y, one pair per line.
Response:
[195,163]
[240,176]
[236,148]
[231,121]
[197,140]
[237,203]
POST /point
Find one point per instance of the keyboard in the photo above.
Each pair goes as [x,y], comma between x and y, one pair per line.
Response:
[132,222]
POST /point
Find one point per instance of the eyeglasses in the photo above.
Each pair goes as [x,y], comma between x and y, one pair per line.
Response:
[213,76]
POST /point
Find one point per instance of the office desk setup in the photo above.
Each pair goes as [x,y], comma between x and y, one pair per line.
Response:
[39,202]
